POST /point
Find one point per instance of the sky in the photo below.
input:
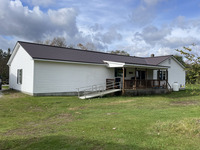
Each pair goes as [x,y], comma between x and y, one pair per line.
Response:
[140,27]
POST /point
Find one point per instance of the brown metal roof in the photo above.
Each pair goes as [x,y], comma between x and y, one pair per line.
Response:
[156,60]
[40,51]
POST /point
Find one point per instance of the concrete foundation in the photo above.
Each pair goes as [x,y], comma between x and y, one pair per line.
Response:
[56,94]
[145,92]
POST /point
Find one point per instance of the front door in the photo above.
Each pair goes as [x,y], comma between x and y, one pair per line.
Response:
[140,75]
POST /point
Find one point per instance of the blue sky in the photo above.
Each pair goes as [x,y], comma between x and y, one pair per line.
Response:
[140,27]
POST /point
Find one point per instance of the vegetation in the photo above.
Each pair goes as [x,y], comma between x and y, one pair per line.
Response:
[120,52]
[61,42]
[193,64]
[4,69]
[56,41]
[146,122]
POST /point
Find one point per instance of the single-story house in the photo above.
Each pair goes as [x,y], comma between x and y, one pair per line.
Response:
[38,69]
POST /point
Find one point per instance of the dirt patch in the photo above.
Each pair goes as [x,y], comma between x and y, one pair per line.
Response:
[185,103]
[118,102]
[13,93]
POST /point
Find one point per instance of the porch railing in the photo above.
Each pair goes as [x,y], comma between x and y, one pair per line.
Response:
[141,84]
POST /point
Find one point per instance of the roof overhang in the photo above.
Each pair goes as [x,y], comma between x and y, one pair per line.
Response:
[112,64]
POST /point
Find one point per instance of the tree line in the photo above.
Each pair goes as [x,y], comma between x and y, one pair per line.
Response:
[4,69]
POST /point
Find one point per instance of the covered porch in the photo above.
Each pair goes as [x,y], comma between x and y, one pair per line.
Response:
[136,78]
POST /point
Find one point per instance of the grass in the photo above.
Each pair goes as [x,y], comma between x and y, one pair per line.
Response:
[158,122]
[4,87]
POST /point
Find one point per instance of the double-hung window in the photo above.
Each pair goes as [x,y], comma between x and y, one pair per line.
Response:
[162,75]
[19,76]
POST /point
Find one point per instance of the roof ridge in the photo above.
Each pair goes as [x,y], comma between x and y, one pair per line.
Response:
[79,49]
[158,56]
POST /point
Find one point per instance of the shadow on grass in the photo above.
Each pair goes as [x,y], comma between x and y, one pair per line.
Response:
[63,142]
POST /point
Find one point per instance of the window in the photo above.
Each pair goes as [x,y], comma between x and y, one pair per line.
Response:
[162,75]
[119,72]
[19,76]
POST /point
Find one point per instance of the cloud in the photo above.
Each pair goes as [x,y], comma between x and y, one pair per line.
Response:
[110,36]
[145,13]
[152,35]
[151,2]
[20,21]
[5,42]
[42,2]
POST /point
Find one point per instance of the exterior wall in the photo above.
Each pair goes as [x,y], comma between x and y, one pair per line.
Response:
[129,76]
[175,73]
[24,61]
[58,77]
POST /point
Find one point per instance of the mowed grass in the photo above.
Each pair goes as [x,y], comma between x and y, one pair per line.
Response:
[156,122]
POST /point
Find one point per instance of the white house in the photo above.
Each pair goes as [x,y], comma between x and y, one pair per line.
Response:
[38,69]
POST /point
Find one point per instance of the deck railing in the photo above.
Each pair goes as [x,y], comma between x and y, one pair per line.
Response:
[141,84]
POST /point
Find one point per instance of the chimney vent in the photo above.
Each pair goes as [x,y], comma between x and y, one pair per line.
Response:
[152,55]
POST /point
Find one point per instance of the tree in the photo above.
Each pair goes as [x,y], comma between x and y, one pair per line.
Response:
[193,64]
[56,41]
[4,69]
[87,46]
[120,52]
[180,59]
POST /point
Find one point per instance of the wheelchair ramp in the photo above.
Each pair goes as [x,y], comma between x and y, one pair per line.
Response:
[99,90]
[99,94]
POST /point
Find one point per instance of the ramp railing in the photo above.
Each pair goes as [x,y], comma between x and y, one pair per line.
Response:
[98,88]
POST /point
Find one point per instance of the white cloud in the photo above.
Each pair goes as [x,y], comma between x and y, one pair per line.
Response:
[21,22]
[152,35]
[34,24]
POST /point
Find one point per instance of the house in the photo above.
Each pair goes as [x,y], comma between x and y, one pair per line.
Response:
[38,69]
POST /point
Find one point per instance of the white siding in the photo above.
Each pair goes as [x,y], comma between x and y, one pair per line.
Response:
[22,60]
[52,77]
[175,73]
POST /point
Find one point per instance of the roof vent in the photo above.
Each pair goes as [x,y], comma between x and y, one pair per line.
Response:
[152,55]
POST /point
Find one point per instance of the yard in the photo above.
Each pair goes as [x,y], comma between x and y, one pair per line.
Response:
[169,121]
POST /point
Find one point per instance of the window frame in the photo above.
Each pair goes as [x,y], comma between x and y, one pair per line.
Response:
[19,76]
[119,72]
[162,75]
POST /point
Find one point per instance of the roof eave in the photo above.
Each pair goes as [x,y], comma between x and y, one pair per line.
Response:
[147,66]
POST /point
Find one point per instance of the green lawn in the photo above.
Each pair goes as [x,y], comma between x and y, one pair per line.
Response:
[158,122]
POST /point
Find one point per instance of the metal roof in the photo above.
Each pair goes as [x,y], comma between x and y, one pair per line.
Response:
[41,51]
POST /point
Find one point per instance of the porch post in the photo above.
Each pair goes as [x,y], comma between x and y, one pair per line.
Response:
[146,77]
[135,78]
[166,77]
[159,77]
[123,81]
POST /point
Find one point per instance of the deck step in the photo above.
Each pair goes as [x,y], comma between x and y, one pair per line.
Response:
[97,94]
